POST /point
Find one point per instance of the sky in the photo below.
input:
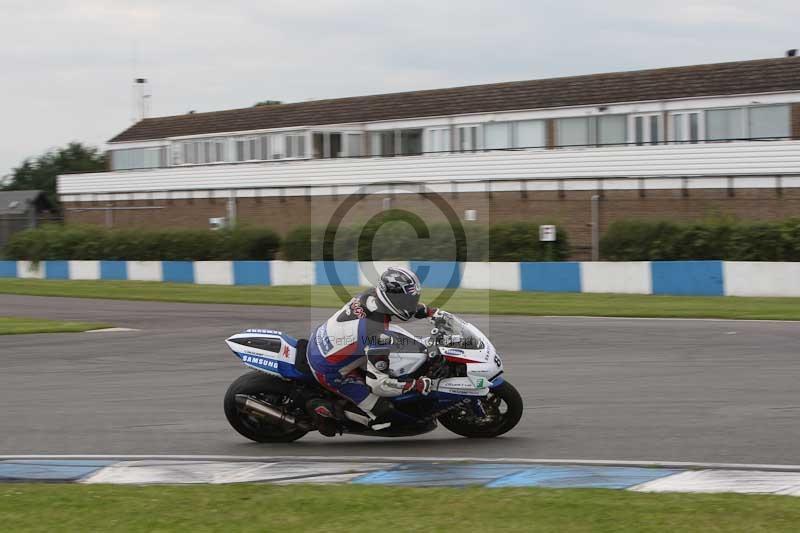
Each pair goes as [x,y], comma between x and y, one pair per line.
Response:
[68,66]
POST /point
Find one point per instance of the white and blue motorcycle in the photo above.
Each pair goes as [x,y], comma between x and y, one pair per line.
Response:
[469,397]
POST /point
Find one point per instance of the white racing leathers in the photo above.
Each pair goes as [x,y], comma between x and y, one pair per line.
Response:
[337,353]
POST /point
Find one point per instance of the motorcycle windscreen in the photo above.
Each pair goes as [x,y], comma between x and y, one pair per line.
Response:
[467,336]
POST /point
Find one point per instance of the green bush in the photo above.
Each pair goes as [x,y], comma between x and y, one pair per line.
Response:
[638,240]
[305,243]
[519,241]
[90,242]
[394,238]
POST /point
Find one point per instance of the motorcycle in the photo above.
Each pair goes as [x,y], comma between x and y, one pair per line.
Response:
[469,397]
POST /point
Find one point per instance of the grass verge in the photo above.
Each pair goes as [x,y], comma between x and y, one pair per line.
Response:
[462,301]
[198,508]
[10,325]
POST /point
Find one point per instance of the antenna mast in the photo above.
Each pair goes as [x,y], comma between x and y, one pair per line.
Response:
[141,99]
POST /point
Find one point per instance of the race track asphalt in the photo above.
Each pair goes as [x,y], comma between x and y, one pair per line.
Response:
[594,388]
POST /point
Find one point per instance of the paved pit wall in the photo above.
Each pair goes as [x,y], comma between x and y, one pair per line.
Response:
[688,278]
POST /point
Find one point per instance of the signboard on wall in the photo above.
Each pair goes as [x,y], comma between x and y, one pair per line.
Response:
[547,233]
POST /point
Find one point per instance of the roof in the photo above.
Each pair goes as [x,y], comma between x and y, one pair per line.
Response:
[19,202]
[719,79]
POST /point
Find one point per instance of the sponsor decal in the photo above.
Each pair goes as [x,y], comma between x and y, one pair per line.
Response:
[323,341]
[260,361]
[357,308]
[463,392]
[285,351]
[480,383]
[458,385]
[264,331]
[453,351]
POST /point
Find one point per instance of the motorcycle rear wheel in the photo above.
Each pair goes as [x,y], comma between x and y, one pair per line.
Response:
[503,406]
[257,428]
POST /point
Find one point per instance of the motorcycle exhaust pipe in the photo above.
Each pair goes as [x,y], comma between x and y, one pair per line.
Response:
[265,409]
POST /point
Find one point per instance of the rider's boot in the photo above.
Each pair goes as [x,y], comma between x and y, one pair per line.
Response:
[323,412]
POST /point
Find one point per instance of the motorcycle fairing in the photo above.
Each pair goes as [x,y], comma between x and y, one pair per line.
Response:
[270,351]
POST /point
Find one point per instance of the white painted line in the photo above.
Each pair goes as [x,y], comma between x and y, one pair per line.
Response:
[109,330]
[322,479]
[217,472]
[713,481]
[383,459]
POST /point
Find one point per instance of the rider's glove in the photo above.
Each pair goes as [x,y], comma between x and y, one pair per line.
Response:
[421,385]
[423,311]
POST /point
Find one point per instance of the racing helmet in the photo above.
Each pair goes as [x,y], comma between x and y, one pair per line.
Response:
[398,290]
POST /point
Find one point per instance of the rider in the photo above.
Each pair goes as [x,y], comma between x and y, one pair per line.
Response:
[354,339]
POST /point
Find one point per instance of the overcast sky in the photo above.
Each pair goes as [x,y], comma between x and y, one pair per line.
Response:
[67,67]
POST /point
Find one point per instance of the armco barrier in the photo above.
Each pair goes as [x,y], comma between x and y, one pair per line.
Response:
[701,278]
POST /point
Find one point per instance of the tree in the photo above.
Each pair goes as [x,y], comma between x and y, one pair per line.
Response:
[267,102]
[41,172]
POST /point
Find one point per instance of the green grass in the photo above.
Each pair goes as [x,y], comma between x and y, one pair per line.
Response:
[348,508]
[10,325]
[462,301]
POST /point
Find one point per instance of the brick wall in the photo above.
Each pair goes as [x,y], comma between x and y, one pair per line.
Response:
[572,209]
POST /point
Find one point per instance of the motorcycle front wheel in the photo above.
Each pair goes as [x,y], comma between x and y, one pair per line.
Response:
[502,408]
[268,389]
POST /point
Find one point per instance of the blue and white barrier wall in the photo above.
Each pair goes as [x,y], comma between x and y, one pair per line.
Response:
[705,278]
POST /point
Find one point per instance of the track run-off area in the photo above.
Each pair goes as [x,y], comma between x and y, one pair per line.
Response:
[608,389]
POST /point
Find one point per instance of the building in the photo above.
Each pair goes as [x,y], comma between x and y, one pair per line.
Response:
[684,142]
[21,210]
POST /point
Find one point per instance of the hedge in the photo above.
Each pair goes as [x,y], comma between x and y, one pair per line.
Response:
[390,237]
[91,242]
[638,240]
[396,239]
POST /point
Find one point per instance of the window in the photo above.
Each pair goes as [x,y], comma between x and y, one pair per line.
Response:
[220,149]
[210,151]
[591,131]
[647,129]
[249,149]
[296,145]
[334,145]
[572,131]
[318,140]
[410,142]
[497,135]
[277,146]
[611,129]
[467,138]
[438,140]
[130,158]
[354,144]
[686,126]
[177,154]
[769,121]
[530,134]
[396,142]
[191,152]
[725,124]
[266,146]
[383,143]
[327,144]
